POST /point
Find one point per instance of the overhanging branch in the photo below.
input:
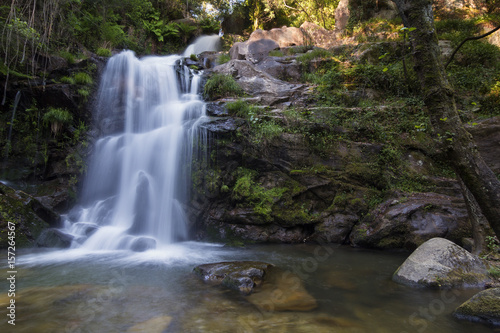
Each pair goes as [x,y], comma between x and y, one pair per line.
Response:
[467,39]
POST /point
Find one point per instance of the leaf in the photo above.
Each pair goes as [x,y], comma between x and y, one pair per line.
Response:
[443,119]
[383,55]
[412,29]
[385,69]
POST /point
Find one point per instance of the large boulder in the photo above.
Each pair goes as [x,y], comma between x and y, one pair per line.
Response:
[253,50]
[284,37]
[319,36]
[443,264]
[483,307]
[256,82]
[408,222]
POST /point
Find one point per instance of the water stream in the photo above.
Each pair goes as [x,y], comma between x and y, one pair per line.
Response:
[139,176]
[130,265]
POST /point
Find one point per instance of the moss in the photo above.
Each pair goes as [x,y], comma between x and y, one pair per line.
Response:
[483,307]
[249,193]
[16,207]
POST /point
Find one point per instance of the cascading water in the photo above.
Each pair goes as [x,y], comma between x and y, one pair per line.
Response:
[148,113]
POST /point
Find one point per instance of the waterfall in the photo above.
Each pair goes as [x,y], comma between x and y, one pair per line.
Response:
[14,108]
[203,43]
[138,180]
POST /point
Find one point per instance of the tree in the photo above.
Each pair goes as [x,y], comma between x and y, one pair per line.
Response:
[454,142]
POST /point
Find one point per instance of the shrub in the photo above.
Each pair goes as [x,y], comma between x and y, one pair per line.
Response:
[82,78]
[103,52]
[57,118]
[67,79]
[221,85]
[68,57]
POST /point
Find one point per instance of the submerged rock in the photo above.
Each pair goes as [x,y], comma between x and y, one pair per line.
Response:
[283,291]
[483,307]
[54,238]
[153,325]
[441,263]
[142,244]
[238,275]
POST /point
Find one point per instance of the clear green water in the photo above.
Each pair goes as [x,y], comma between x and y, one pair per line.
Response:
[74,291]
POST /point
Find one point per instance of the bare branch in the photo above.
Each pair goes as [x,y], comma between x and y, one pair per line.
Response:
[467,39]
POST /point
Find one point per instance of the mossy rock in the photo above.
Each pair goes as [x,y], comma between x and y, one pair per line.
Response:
[20,209]
[483,307]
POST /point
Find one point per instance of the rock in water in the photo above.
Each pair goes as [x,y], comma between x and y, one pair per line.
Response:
[441,263]
[238,275]
[283,291]
[153,325]
[483,307]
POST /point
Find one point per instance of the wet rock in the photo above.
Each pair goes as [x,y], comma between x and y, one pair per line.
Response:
[54,238]
[283,291]
[243,276]
[222,125]
[409,221]
[142,244]
[153,325]
[443,264]
[483,307]
[216,110]
[26,213]
[336,228]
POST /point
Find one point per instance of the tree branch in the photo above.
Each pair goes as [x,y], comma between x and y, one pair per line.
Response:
[467,39]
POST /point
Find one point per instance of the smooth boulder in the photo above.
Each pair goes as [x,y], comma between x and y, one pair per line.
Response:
[443,264]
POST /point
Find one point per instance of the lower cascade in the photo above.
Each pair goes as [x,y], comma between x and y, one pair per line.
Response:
[148,114]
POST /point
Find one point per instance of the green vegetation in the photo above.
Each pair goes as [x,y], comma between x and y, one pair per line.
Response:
[103,52]
[221,85]
[247,190]
[223,58]
[57,118]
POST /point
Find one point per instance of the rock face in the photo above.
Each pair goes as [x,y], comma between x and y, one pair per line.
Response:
[408,222]
[443,264]
[483,307]
[243,276]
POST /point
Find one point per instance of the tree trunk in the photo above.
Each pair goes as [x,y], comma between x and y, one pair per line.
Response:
[455,143]
[477,220]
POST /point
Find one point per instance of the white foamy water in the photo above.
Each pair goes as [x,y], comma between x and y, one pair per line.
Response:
[149,111]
